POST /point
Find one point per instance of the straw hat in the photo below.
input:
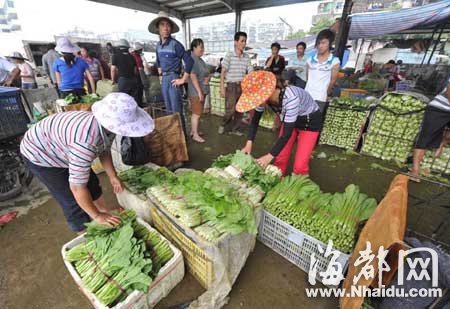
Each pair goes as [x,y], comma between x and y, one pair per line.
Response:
[119,113]
[257,87]
[153,27]
[63,45]
[17,55]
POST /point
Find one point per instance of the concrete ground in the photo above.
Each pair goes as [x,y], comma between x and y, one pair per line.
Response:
[32,273]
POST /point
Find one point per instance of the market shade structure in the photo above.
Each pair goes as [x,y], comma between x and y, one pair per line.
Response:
[427,17]
[187,9]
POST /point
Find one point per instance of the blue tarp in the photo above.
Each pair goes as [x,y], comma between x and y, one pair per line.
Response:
[370,25]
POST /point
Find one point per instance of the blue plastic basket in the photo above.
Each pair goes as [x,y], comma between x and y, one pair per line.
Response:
[13,121]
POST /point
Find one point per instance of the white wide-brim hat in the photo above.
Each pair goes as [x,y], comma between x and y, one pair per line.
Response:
[119,114]
[153,27]
[63,45]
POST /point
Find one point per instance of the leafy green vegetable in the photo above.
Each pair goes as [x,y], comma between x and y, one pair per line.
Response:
[139,179]
[113,262]
[196,198]
[223,161]
[90,98]
[299,202]
[71,99]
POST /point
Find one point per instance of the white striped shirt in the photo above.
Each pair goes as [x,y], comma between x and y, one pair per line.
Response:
[296,102]
[236,67]
[441,101]
[66,140]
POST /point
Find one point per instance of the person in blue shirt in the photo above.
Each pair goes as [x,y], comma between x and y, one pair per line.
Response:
[169,57]
[70,70]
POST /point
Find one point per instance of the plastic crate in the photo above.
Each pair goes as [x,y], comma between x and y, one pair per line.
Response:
[347,92]
[13,121]
[197,261]
[168,277]
[294,245]
[404,85]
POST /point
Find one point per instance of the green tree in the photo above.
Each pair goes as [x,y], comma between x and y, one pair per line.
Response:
[297,35]
[323,23]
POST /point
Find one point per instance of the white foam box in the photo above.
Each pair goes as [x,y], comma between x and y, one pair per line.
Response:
[168,277]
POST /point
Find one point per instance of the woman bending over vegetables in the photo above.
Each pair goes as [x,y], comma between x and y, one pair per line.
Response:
[300,116]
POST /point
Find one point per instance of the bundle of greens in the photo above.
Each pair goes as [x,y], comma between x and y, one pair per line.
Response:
[394,127]
[90,98]
[439,164]
[344,121]
[71,99]
[299,202]
[196,198]
[139,179]
[252,172]
[252,193]
[113,262]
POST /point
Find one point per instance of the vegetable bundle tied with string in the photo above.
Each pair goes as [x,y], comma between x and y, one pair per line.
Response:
[113,262]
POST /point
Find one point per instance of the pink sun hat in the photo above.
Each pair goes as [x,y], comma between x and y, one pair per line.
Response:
[119,113]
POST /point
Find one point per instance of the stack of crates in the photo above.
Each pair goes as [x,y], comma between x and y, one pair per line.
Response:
[217,102]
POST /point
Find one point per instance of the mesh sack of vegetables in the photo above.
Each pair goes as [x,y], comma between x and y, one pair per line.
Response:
[394,126]
[344,122]
[105,87]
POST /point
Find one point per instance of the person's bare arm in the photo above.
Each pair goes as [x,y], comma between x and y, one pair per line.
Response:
[58,77]
[334,77]
[269,61]
[113,73]
[91,80]
[181,81]
[107,163]
[102,73]
[14,74]
[448,91]
[307,72]
[84,200]
[197,87]
[222,82]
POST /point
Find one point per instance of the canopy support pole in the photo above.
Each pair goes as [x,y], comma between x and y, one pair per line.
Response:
[359,53]
[436,44]
[426,51]
[237,22]
[344,28]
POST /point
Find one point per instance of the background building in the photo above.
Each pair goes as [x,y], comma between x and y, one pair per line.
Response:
[8,17]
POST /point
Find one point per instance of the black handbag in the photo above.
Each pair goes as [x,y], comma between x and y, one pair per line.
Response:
[134,151]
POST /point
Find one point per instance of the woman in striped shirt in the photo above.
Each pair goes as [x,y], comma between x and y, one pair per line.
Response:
[300,116]
[60,150]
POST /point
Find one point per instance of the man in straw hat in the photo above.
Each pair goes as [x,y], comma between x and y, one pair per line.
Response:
[26,71]
[300,115]
[169,56]
[60,149]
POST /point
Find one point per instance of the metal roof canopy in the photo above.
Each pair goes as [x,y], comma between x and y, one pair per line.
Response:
[188,9]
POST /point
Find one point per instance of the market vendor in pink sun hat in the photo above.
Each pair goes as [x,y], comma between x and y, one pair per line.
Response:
[59,151]
[300,115]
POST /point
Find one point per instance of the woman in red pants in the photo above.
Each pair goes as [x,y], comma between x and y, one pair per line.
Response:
[300,116]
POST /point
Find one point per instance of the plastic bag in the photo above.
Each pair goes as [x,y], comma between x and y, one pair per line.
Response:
[134,151]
